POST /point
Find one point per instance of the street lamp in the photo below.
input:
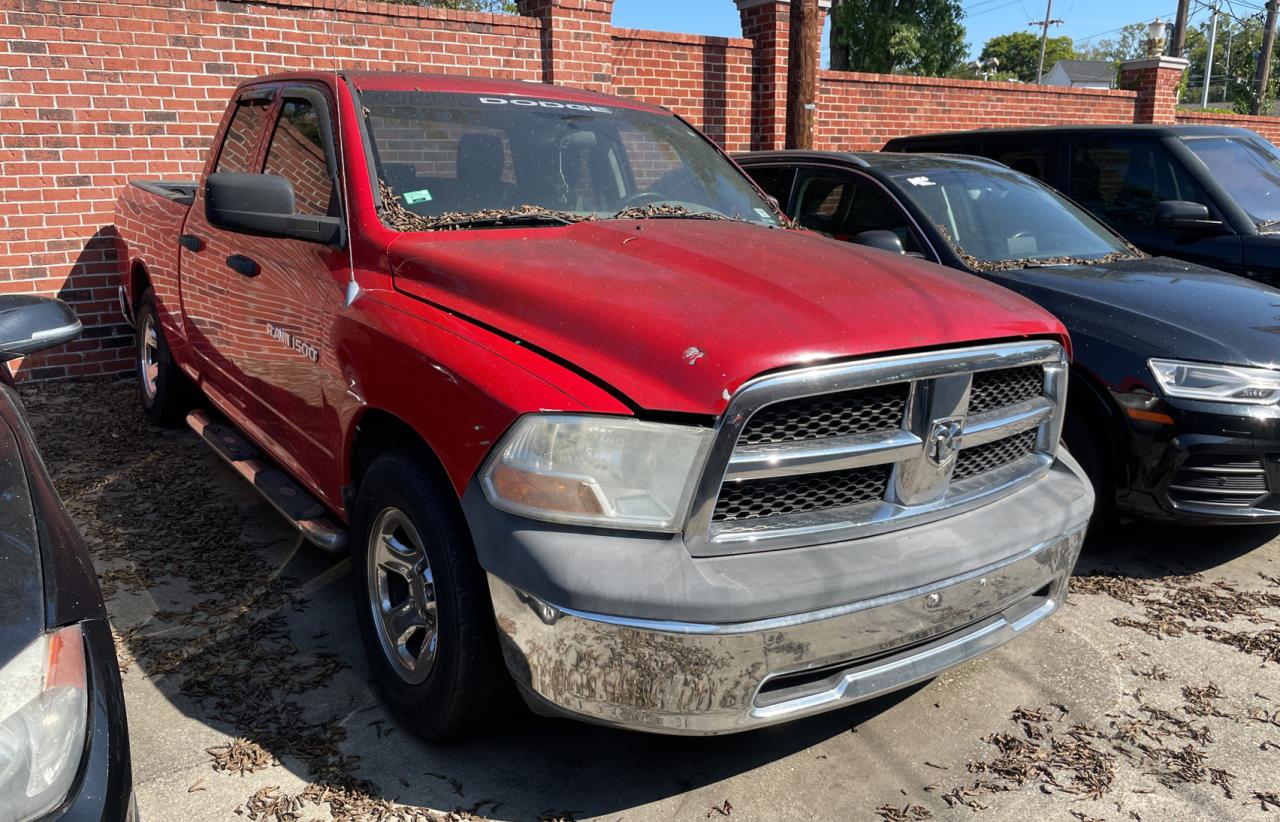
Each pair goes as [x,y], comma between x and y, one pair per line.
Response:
[1155,37]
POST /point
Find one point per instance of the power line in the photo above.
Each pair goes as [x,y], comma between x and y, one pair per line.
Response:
[994,8]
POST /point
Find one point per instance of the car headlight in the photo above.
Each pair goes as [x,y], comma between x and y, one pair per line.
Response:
[44,706]
[1218,383]
[615,472]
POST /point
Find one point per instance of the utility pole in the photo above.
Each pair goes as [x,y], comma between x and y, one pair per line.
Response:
[802,73]
[1208,58]
[1264,60]
[1044,35]
[1180,29]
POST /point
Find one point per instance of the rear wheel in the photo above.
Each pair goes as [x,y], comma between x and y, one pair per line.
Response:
[163,389]
[422,602]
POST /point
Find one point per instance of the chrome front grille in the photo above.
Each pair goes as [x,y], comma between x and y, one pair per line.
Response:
[980,459]
[840,451]
[753,499]
[996,389]
[828,415]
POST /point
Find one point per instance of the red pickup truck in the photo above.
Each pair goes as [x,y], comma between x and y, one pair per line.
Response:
[586,409]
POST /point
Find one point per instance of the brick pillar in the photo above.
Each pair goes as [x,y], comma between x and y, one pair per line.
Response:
[767,24]
[577,41]
[1156,80]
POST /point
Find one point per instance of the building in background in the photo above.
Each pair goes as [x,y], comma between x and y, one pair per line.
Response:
[1082,74]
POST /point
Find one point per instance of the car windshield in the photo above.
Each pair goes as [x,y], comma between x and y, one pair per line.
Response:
[1249,169]
[999,219]
[473,161]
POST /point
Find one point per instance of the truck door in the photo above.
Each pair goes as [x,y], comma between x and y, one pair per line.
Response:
[1121,181]
[268,340]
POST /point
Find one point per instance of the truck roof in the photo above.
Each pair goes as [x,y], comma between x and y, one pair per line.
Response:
[458,84]
[1110,131]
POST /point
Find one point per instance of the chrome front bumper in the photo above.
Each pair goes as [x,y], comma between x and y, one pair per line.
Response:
[701,678]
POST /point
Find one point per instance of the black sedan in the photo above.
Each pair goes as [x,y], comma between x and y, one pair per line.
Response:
[64,747]
[1174,390]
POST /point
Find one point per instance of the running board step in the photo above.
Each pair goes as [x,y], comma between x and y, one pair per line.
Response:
[293,501]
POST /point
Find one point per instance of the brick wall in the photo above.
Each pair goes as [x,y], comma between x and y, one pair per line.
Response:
[94,92]
[860,112]
[1268,127]
[706,80]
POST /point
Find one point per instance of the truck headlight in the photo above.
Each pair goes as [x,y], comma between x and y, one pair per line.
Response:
[44,704]
[1217,383]
[615,472]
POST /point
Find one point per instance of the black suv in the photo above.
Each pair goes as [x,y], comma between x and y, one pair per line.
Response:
[1205,194]
[1174,400]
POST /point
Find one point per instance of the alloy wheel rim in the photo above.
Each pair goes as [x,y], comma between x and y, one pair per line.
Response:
[402,596]
[149,358]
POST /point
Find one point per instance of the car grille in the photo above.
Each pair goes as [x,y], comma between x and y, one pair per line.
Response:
[812,492]
[983,458]
[996,389]
[841,451]
[828,415]
[1220,480]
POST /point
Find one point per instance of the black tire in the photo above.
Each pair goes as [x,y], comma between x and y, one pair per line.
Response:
[466,686]
[1087,441]
[167,395]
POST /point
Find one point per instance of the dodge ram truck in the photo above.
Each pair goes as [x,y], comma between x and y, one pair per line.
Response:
[590,415]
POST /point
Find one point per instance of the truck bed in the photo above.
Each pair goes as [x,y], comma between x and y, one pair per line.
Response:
[149,218]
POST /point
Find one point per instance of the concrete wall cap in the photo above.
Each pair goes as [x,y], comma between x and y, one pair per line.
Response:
[1179,63]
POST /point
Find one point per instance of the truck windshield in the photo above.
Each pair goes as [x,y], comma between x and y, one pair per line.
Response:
[1002,220]
[1249,169]
[473,161]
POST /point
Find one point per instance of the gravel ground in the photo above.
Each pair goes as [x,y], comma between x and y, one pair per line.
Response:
[1153,695]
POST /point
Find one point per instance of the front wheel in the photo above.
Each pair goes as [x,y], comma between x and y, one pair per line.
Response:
[422,602]
[163,389]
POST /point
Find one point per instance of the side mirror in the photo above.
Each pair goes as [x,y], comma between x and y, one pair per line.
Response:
[29,324]
[882,239]
[1182,215]
[263,204]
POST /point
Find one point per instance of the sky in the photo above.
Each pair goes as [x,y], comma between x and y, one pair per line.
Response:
[1085,20]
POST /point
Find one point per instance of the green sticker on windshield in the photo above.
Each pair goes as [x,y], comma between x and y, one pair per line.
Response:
[422,195]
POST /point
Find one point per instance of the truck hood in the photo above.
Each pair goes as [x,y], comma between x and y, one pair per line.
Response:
[1161,307]
[676,314]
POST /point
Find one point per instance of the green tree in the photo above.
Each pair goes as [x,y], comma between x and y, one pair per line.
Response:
[1129,44]
[922,37]
[1235,60]
[1019,52]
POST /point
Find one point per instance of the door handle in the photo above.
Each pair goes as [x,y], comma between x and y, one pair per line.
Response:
[243,265]
[191,242]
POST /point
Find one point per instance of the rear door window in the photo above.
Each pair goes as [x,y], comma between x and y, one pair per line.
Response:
[1122,181]
[843,205]
[776,182]
[239,146]
[1034,160]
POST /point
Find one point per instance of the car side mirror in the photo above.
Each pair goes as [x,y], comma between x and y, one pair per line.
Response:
[882,239]
[29,323]
[264,204]
[1182,215]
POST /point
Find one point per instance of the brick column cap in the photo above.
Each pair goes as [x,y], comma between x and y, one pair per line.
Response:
[1177,63]
[743,5]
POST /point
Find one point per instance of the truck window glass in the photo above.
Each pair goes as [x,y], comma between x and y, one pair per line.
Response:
[1033,160]
[297,154]
[237,153]
[996,216]
[843,206]
[1122,181]
[776,182]
[458,153]
[1246,167]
